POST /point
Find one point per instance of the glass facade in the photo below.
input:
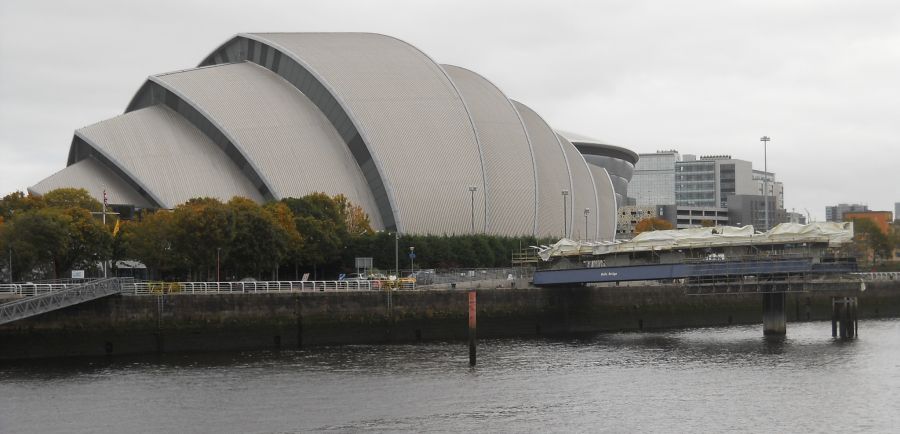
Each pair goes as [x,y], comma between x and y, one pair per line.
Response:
[653,182]
[695,183]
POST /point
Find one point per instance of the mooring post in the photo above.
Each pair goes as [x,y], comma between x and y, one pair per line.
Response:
[472,327]
[774,318]
[833,317]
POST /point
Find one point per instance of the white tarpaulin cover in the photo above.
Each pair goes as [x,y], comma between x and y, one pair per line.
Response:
[820,232]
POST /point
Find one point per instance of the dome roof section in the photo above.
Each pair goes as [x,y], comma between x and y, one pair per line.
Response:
[291,144]
[506,152]
[95,177]
[165,156]
[412,125]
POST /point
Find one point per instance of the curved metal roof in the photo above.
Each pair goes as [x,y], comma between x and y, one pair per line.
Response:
[552,174]
[407,112]
[293,146]
[167,156]
[365,115]
[93,176]
[608,203]
[583,195]
[506,150]
[588,145]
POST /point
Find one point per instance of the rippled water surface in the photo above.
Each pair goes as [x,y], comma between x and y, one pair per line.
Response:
[697,380]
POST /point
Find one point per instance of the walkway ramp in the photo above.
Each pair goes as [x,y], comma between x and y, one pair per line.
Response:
[55,300]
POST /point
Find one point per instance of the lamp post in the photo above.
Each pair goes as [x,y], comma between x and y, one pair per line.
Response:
[586,212]
[565,195]
[397,254]
[412,260]
[765,140]
[10,265]
[218,275]
[472,190]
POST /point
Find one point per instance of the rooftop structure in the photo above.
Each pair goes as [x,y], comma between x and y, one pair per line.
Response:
[420,146]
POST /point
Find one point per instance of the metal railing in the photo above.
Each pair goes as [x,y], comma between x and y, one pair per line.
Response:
[265,287]
[880,276]
[30,289]
[458,275]
[58,299]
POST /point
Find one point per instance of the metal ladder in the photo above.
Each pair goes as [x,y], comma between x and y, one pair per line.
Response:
[48,302]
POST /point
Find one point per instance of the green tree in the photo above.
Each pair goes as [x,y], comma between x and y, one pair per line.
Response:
[18,202]
[320,222]
[72,198]
[259,242]
[150,240]
[199,228]
[53,241]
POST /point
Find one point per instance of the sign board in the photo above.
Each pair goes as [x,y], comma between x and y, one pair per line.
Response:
[412,255]
[364,263]
[78,274]
[305,277]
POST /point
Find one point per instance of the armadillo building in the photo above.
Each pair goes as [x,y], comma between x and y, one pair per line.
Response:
[422,147]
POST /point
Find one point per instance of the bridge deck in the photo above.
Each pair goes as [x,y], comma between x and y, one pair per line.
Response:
[67,296]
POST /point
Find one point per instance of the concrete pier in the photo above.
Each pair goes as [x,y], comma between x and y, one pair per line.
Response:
[844,317]
[774,317]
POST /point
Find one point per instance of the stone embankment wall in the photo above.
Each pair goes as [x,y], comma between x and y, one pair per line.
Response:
[179,322]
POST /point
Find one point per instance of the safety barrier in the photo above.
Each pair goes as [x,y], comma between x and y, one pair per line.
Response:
[265,287]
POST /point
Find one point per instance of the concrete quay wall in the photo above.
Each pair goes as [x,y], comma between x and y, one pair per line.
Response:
[180,322]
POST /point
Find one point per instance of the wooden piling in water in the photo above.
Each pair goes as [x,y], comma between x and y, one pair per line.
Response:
[472,328]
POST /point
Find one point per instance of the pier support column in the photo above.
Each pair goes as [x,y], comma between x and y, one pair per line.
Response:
[844,320]
[774,317]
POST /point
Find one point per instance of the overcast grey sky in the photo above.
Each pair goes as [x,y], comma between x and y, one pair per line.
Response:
[821,77]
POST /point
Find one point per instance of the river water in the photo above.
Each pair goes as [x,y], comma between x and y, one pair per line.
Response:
[695,380]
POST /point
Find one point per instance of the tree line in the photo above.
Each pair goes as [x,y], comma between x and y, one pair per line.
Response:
[204,239]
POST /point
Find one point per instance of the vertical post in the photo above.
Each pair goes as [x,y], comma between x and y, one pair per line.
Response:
[472,190]
[11,280]
[104,228]
[472,327]
[833,317]
[765,140]
[774,318]
[218,275]
[586,212]
[565,195]
[397,254]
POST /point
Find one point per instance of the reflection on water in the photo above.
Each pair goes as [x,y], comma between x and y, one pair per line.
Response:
[708,379]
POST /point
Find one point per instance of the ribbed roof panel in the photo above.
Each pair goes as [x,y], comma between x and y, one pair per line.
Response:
[508,164]
[584,195]
[170,157]
[94,177]
[607,198]
[410,117]
[552,174]
[279,129]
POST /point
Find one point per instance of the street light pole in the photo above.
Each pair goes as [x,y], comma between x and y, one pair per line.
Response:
[397,254]
[765,140]
[412,259]
[10,265]
[104,228]
[565,195]
[218,275]
[473,189]
[586,212]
